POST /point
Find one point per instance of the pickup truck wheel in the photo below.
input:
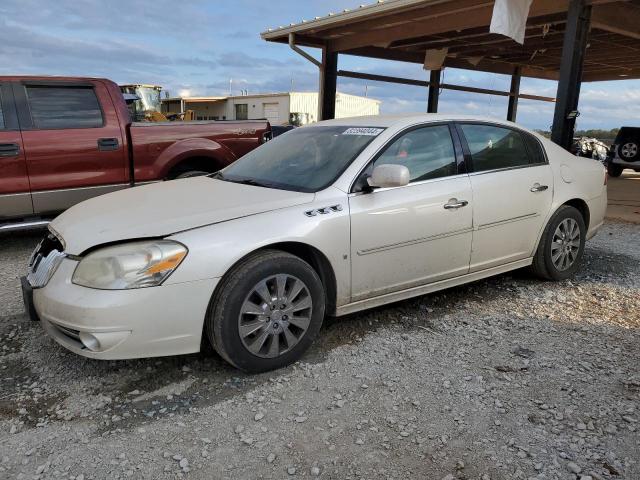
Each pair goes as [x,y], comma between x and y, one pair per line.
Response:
[561,246]
[192,173]
[614,170]
[267,312]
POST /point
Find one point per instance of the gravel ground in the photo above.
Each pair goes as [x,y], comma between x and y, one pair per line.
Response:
[505,378]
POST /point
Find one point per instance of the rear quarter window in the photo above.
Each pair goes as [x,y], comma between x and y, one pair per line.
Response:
[57,107]
[535,149]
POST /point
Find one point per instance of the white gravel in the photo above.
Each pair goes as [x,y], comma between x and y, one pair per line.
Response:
[505,378]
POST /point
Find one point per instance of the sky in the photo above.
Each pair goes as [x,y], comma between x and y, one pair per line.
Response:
[201,47]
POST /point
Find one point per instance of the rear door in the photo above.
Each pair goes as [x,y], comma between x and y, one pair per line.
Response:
[72,140]
[15,196]
[512,187]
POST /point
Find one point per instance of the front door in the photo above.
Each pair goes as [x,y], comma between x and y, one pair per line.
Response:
[73,142]
[512,193]
[420,233]
[15,195]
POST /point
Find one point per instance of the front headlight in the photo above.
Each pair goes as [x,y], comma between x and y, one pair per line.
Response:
[131,265]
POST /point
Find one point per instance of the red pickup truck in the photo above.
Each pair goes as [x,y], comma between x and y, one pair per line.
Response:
[64,140]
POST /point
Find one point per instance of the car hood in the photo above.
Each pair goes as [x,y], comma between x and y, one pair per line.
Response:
[164,208]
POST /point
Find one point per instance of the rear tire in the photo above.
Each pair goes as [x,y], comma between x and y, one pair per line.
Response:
[561,245]
[614,170]
[267,312]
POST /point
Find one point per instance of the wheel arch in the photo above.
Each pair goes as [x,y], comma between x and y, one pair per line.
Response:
[582,207]
[310,254]
[208,153]
[577,203]
[209,164]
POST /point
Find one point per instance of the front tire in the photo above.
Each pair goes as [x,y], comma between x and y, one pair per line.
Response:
[614,170]
[267,312]
[561,246]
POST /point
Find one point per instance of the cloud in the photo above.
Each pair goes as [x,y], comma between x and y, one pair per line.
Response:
[201,44]
[243,60]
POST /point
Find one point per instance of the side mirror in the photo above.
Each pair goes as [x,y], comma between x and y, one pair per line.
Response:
[388,175]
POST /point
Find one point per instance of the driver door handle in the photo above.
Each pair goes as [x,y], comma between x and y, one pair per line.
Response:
[108,144]
[9,149]
[538,188]
[454,204]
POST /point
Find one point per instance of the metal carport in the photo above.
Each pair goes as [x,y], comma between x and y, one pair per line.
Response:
[571,41]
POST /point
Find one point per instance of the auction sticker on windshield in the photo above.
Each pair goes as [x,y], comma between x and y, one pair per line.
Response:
[371,132]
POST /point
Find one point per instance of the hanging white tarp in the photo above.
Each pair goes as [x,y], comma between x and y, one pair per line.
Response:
[510,18]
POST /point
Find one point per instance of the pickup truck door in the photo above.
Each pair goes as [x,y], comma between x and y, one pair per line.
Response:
[15,196]
[73,142]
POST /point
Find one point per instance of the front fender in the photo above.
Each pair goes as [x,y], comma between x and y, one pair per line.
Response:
[214,249]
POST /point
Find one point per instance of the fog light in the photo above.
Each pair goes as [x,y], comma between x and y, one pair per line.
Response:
[90,341]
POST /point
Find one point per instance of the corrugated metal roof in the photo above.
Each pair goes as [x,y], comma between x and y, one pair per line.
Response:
[347,15]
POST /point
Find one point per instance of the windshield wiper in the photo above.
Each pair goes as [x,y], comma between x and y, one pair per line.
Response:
[244,181]
[250,181]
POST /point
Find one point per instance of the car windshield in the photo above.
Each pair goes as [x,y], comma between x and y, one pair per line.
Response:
[306,159]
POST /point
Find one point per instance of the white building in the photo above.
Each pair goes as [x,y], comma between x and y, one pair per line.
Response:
[278,108]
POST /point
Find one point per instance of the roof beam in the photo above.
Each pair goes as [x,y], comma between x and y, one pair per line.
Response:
[485,65]
[622,18]
[444,18]
[448,86]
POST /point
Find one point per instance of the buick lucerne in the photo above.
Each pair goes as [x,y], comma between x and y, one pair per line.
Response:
[326,219]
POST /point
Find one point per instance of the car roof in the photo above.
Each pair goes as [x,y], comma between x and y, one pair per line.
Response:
[399,120]
[53,78]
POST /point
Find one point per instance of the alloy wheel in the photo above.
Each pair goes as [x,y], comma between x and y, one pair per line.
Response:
[565,244]
[629,150]
[275,315]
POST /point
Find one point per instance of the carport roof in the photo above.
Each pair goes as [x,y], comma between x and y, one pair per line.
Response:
[405,29]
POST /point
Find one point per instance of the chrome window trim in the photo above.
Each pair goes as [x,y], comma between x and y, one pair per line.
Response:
[506,169]
[395,137]
[415,184]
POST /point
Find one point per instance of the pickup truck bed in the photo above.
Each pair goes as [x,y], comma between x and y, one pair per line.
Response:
[64,140]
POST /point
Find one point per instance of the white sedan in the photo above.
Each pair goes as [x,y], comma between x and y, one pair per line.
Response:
[327,219]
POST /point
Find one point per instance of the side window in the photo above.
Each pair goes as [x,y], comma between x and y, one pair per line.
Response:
[493,147]
[1,114]
[536,154]
[427,152]
[64,107]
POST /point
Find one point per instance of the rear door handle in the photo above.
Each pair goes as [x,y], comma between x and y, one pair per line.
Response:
[9,149]
[108,144]
[454,204]
[538,188]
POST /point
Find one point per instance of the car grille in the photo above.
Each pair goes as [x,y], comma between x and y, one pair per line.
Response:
[44,261]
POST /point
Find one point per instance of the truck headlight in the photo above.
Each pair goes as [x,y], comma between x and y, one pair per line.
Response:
[131,265]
